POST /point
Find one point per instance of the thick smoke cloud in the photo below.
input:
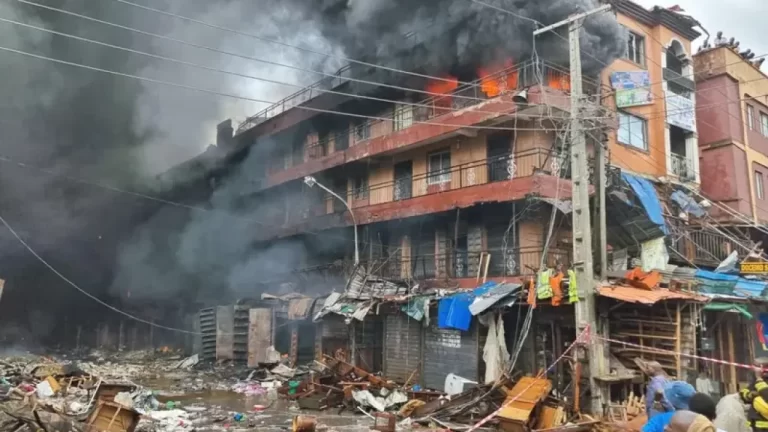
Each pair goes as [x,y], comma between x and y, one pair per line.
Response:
[120,131]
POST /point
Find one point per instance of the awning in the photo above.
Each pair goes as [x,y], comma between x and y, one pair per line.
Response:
[728,307]
[636,295]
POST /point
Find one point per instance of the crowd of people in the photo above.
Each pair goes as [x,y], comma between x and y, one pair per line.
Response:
[675,406]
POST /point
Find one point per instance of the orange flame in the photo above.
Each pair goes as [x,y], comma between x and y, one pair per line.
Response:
[497,79]
[559,81]
[443,86]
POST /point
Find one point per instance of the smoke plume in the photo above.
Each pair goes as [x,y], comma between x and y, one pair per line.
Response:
[121,131]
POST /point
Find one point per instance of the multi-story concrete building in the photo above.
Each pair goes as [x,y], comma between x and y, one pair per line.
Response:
[655,95]
[732,112]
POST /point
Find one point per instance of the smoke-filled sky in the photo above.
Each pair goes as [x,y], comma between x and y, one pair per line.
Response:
[120,131]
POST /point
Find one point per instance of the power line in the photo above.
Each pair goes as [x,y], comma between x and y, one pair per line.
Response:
[284,44]
[86,293]
[242,75]
[233,96]
[508,12]
[242,56]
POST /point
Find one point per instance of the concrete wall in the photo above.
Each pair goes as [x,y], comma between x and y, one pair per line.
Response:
[719,70]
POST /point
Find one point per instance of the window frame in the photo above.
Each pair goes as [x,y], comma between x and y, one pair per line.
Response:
[441,175]
[644,125]
[764,124]
[639,45]
[759,185]
[402,117]
[362,131]
[360,192]
[750,117]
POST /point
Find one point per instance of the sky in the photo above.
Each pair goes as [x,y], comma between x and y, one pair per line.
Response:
[741,19]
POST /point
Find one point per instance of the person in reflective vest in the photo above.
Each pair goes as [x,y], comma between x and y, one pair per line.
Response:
[756,396]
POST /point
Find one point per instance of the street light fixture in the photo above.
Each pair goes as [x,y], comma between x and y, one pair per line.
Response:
[311,182]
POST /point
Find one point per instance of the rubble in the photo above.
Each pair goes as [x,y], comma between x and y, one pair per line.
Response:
[49,394]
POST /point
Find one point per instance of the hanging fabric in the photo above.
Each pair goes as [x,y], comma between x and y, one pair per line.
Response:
[557,292]
[543,288]
[531,293]
[573,287]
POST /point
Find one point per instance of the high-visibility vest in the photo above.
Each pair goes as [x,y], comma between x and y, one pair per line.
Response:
[543,288]
[573,287]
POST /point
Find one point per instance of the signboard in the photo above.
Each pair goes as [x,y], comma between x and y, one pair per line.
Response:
[758,267]
[632,88]
[680,112]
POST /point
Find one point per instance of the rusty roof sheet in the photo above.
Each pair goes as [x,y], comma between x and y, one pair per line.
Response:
[636,295]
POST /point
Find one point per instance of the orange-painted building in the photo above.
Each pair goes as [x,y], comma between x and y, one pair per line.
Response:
[657,130]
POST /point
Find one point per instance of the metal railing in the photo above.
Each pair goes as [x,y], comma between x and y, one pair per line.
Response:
[515,78]
[521,261]
[682,167]
[704,247]
[500,168]
[295,99]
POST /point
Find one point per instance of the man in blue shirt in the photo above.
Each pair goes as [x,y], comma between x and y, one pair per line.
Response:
[678,394]
[655,402]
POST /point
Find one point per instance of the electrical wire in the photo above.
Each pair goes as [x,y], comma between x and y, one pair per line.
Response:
[82,291]
[267,80]
[245,98]
[285,44]
[234,54]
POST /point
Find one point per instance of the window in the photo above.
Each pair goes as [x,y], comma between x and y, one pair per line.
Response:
[439,167]
[759,185]
[633,131]
[764,124]
[751,117]
[362,131]
[360,187]
[635,49]
[403,116]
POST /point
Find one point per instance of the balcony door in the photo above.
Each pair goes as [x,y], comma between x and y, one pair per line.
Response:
[499,148]
[403,180]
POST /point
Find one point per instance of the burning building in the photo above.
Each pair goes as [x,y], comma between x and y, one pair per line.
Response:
[449,173]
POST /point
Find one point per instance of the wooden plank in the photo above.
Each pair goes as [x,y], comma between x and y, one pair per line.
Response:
[732,385]
[259,335]
[528,392]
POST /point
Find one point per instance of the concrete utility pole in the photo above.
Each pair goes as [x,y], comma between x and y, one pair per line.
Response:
[582,227]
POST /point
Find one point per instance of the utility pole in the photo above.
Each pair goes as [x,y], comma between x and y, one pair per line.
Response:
[582,226]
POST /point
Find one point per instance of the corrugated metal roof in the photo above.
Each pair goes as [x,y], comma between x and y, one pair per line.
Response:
[636,295]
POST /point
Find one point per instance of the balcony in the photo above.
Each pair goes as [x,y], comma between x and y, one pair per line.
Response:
[523,261]
[500,179]
[501,169]
[682,167]
[485,101]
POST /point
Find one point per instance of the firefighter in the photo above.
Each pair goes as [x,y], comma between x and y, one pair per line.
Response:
[756,396]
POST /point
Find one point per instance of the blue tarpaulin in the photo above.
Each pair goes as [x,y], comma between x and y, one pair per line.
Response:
[646,193]
[453,312]
[726,284]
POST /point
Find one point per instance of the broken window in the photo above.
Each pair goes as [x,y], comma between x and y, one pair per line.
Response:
[403,116]
[362,131]
[635,49]
[439,167]
[633,131]
[360,187]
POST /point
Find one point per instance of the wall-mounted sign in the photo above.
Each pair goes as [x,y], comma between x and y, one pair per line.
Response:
[757,267]
[632,88]
[680,112]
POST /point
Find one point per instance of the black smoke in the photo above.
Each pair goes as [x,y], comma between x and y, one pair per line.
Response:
[121,132]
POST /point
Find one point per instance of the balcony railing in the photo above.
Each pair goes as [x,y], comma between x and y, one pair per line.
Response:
[521,164]
[705,248]
[682,167]
[464,264]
